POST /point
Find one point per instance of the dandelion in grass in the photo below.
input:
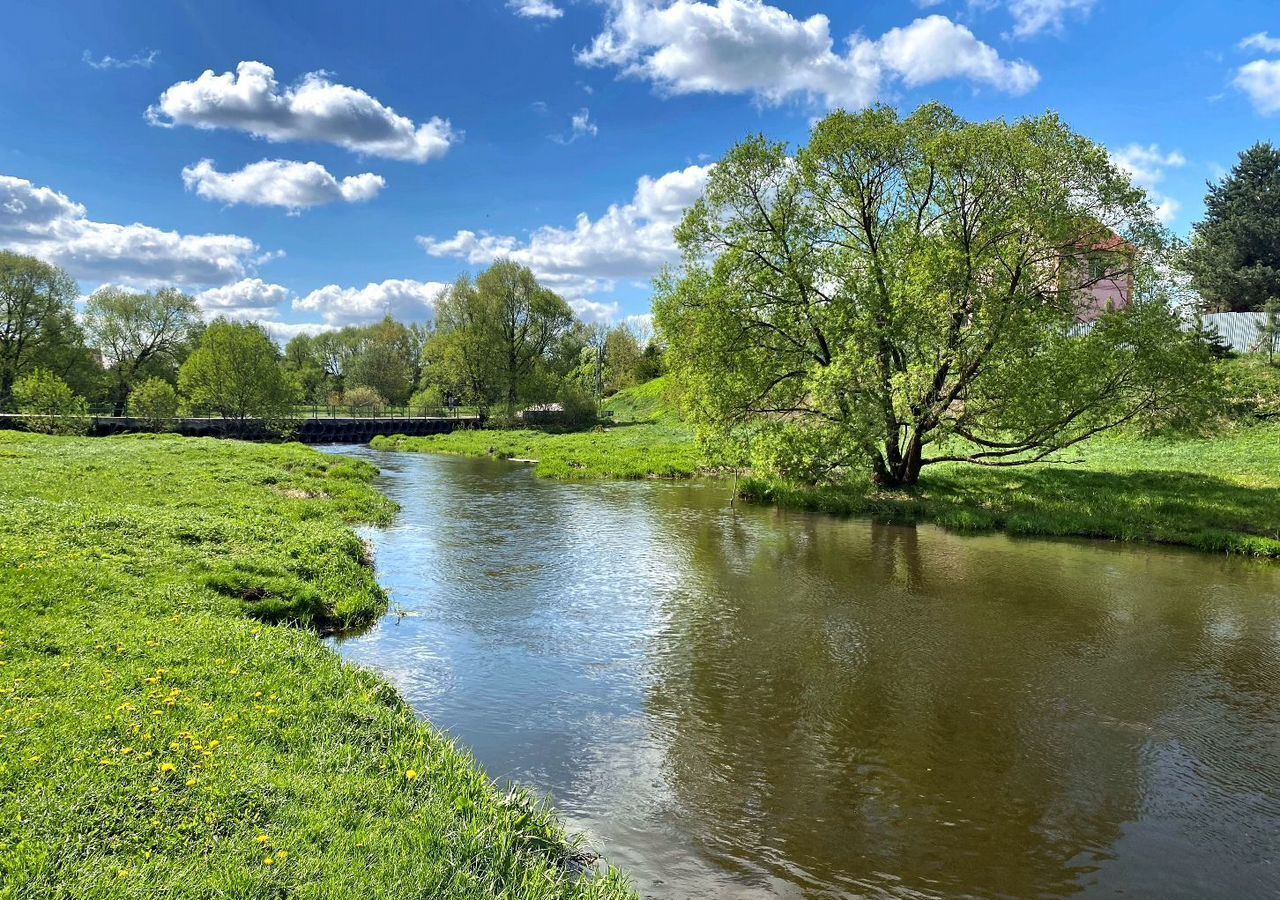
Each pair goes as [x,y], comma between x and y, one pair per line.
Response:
[166,768]
[411,775]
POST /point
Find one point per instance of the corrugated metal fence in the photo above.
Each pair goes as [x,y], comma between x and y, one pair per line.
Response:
[1242,330]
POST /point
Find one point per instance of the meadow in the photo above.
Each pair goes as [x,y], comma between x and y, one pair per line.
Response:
[172,725]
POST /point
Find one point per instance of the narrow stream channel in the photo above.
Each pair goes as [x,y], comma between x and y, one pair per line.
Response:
[748,703]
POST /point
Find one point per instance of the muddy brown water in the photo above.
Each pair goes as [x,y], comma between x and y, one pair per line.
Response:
[749,703]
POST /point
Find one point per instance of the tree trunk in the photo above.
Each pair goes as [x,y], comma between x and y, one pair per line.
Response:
[902,469]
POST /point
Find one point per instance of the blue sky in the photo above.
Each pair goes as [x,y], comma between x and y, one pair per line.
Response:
[342,160]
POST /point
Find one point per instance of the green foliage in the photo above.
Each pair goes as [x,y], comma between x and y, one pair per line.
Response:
[501,339]
[1234,257]
[161,742]
[37,324]
[364,401]
[903,281]
[429,399]
[140,334]
[578,408]
[236,371]
[48,405]
[387,358]
[155,402]
[303,361]
[1220,494]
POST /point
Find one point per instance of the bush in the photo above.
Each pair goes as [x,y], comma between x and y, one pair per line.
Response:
[364,401]
[48,405]
[578,407]
[155,402]
[430,399]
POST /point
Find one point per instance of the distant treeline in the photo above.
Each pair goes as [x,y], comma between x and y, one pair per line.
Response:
[499,342]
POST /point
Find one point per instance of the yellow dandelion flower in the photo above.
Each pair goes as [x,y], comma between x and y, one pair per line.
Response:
[166,768]
[123,873]
[282,855]
[191,782]
[213,745]
[261,839]
[411,775]
[268,861]
[125,751]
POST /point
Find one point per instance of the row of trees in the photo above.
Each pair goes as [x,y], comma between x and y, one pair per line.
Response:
[500,341]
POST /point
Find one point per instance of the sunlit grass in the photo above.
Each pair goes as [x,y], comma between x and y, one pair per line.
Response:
[640,440]
[1220,493]
[158,738]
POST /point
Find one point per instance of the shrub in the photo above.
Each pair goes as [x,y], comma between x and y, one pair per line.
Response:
[364,401]
[155,402]
[578,406]
[48,405]
[430,399]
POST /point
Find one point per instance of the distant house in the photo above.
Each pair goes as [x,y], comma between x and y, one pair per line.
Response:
[1104,272]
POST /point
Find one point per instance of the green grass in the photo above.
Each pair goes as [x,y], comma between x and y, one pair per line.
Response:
[1220,493]
[642,440]
[159,738]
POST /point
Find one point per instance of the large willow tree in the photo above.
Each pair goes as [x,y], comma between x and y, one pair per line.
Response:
[906,291]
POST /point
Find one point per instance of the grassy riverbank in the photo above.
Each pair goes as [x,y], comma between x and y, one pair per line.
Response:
[641,440]
[1220,493]
[159,738]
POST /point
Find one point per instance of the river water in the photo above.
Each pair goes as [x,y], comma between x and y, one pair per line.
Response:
[749,703]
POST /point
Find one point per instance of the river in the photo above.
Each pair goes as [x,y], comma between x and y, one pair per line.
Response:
[749,703]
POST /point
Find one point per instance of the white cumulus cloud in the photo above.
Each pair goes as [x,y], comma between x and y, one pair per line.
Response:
[1145,166]
[249,298]
[1260,81]
[750,47]
[278,182]
[935,48]
[313,109]
[48,224]
[631,240]
[402,298]
[535,9]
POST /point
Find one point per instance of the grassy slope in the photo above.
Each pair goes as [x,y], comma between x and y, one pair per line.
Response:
[641,441]
[158,741]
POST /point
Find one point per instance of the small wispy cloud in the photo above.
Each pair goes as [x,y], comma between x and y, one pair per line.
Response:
[580,125]
[535,9]
[144,59]
[1261,42]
